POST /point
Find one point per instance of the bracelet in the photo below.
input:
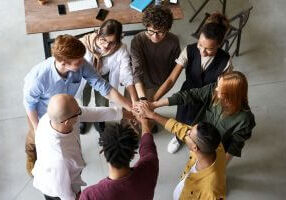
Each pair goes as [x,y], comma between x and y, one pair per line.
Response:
[143,99]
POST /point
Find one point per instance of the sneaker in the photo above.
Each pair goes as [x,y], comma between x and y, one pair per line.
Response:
[30,163]
[173,145]
[82,127]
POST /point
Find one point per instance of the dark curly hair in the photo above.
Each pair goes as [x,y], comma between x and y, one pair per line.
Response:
[119,145]
[216,27]
[159,17]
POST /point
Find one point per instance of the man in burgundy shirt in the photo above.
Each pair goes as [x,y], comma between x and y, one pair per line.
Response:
[125,182]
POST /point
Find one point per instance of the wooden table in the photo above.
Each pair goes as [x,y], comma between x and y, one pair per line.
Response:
[45,18]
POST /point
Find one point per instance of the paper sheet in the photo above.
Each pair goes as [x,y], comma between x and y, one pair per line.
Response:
[82,5]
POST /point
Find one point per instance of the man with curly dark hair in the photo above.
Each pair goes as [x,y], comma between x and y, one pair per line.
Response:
[153,52]
[119,146]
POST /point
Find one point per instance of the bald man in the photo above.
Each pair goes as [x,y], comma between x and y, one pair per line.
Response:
[57,171]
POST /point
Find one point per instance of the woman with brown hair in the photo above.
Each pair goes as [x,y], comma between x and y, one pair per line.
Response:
[203,62]
[111,60]
[225,105]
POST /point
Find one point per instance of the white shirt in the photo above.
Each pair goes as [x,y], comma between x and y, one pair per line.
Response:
[205,61]
[118,66]
[180,186]
[59,163]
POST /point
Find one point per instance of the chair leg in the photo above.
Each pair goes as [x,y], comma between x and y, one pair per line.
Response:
[238,43]
[199,10]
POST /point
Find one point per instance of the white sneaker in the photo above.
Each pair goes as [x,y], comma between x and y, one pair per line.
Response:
[173,145]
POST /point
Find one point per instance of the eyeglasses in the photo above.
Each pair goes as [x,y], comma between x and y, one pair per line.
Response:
[103,41]
[75,115]
[159,33]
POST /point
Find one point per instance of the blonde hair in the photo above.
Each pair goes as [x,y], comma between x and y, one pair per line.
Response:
[234,88]
[67,47]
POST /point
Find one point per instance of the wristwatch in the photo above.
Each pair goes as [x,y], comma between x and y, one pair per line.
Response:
[143,99]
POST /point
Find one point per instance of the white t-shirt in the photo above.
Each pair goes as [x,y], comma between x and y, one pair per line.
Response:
[180,186]
[205,61]
[57,171]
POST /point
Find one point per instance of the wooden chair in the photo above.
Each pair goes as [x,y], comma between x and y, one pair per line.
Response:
[237,23]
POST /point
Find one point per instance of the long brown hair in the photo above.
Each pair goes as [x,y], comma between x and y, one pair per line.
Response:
[233,89]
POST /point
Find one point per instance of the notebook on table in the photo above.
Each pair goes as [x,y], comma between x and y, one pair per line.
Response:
[140,5]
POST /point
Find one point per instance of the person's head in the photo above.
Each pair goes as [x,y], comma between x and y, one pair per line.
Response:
[63,110]
[69,52]
[158,21]
[212,34]
[109,35]
[119,145]
[203,138]
[231,92]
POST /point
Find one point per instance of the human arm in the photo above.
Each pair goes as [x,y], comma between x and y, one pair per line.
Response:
[173,126]
[32,91]
[99,114]
[33,117]
[115,96]
[169,83]
[132,92]
[137,58]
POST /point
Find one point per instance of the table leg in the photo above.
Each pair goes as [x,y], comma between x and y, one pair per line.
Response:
[47,44]
[223,6]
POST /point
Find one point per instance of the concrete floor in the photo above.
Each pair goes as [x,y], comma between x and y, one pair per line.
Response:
[259,174]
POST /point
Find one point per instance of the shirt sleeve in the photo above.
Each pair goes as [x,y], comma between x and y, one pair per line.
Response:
[33,88]
[183,58]
[148,156]
[239,137]
[126,74]
[99,114]
[192,96]
[177,128]
[95,80]
[62,182]
[137,59]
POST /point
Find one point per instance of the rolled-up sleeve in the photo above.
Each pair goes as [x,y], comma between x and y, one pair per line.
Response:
[31,92]
[95,80]
[177,128]
[183,58]
[126,73]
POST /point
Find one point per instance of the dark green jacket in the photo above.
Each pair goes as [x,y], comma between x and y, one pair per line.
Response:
[234,129]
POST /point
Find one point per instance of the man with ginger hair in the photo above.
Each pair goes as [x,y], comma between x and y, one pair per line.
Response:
[57,171]
[61,73]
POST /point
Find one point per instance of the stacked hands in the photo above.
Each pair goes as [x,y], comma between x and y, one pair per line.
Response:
[143,109]
[140,110]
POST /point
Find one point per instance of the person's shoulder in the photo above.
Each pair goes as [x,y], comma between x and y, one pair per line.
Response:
[172,38]
[41,70]
[139,37]
[95,190]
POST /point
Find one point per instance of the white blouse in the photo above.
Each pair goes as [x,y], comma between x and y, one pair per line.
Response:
[118,65]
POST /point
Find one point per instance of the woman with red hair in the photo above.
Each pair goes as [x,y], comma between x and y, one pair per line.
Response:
[225,105]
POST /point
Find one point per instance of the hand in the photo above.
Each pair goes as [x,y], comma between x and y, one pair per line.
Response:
[143,110]
[128,115]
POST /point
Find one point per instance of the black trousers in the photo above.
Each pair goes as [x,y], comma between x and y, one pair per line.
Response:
[51,198]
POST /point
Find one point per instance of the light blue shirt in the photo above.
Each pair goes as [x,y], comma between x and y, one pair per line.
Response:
[43,82]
